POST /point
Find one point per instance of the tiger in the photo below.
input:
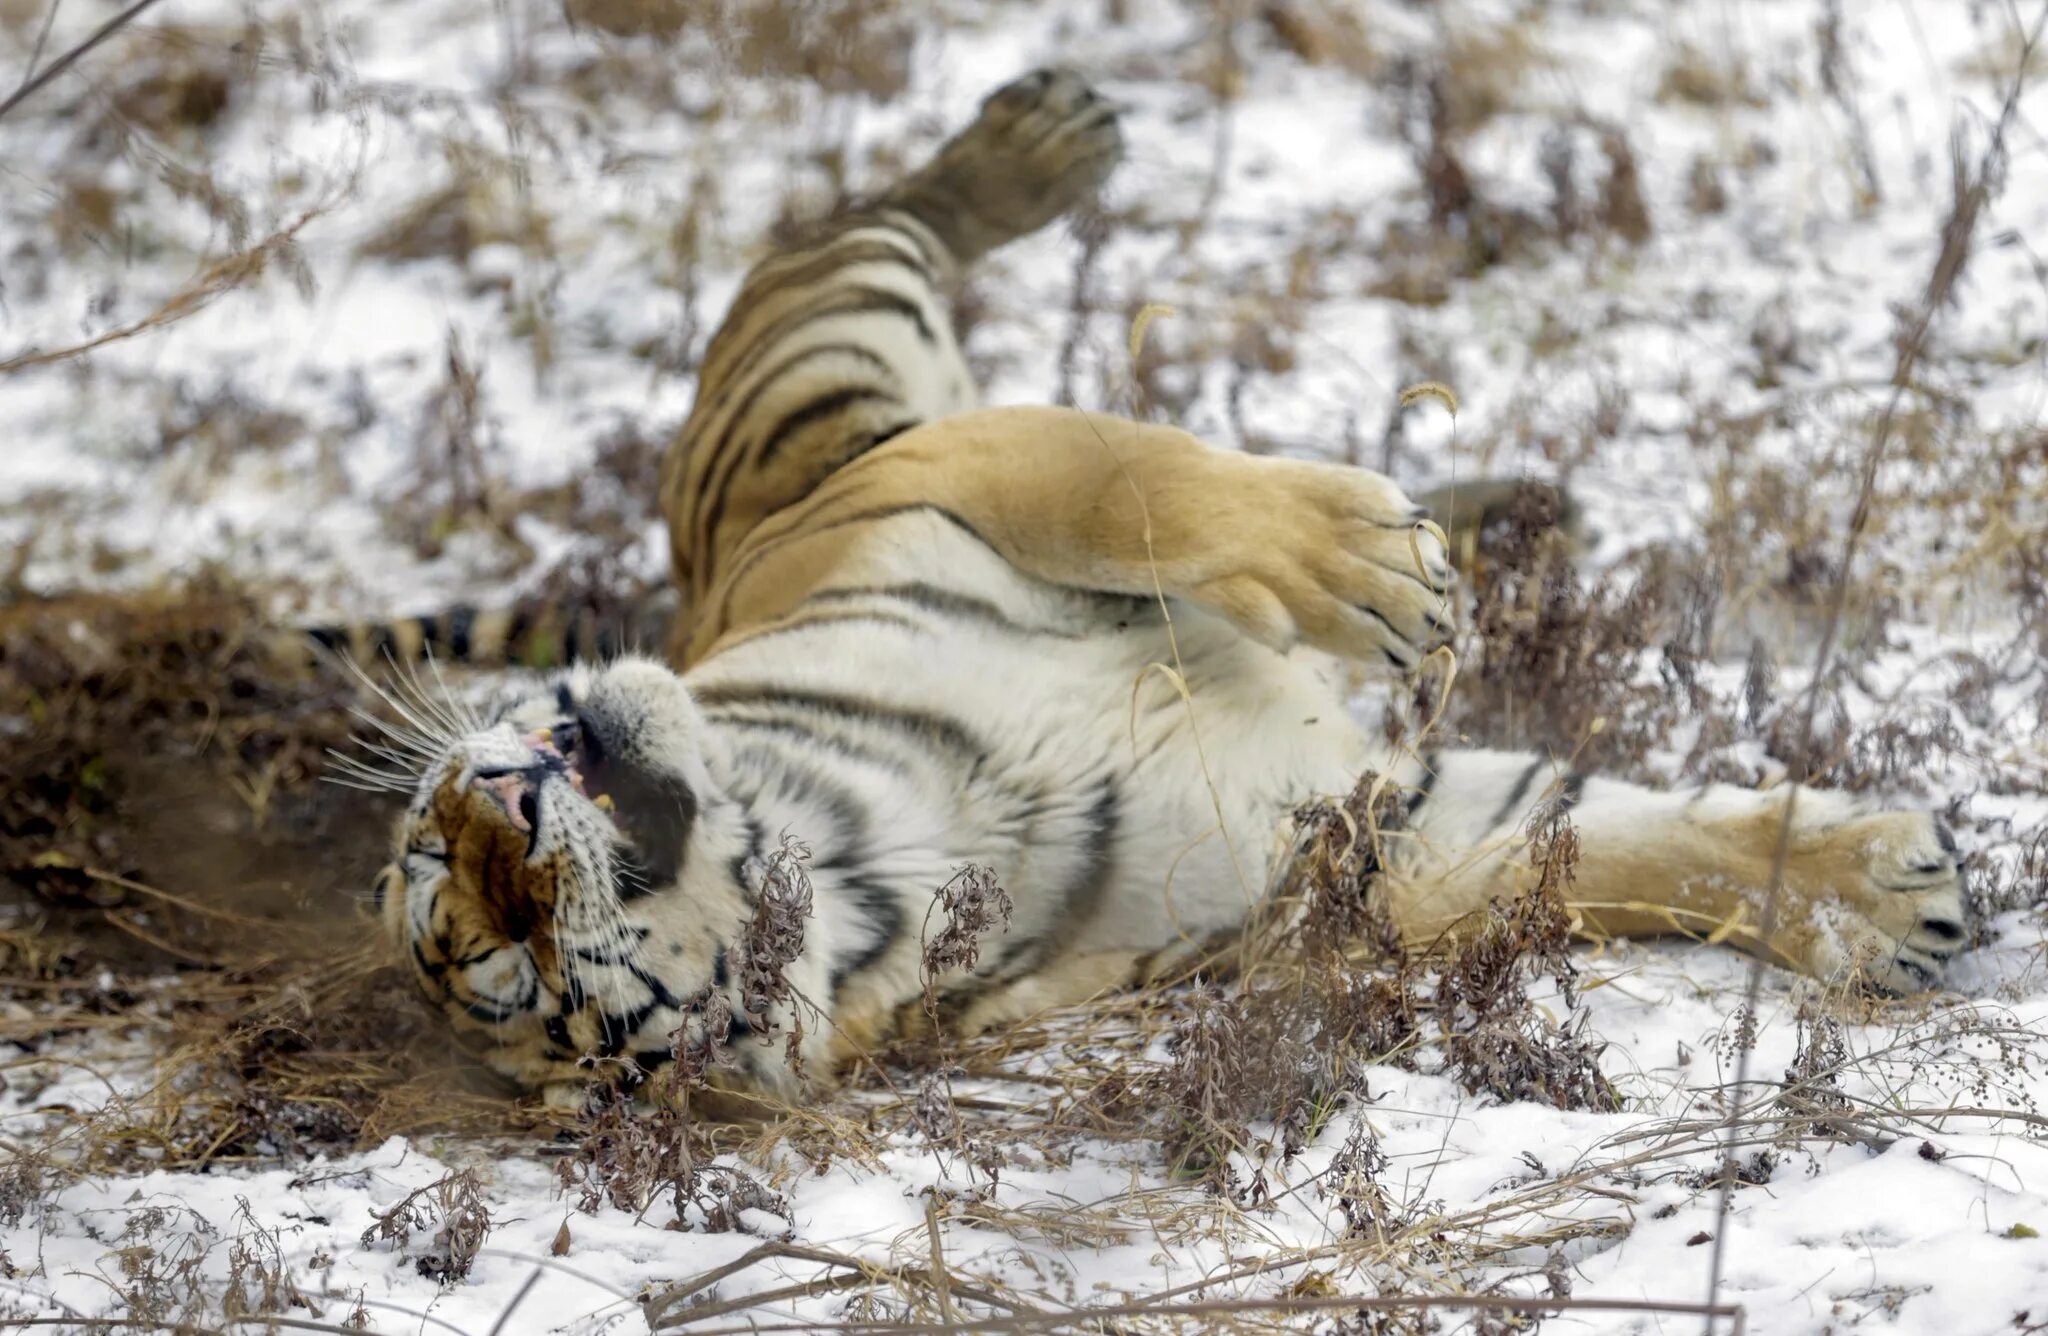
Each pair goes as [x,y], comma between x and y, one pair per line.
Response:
[1095,655]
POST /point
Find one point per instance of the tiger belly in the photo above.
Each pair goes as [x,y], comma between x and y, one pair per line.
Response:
[1125,769]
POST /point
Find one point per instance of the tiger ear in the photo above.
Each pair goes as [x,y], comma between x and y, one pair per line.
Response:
[388,882]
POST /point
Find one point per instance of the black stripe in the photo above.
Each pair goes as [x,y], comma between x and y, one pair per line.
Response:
[906,225]
[738,869]
[773,376]
[517,628]
[797,728]
[1573,789]
[880,301]
[796,624]
[886,926]
[488,1015]
[870,440]
[790,271]
[593,956]
[1079,898]
[850,299]
[498,1013]
[804,783]
[476,958]
[613,1031]
[794,534]
[427,967]
[726,450]
[617,1029]
[814,411]
[1514,803]
[1424,786]
[461,622]
[864,300]
[763,286]
[936,599]
[656,989]
[934,727]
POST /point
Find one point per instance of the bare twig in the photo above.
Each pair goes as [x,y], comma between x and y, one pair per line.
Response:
[221,277]
[64,62]
[35,55]
[660,1308]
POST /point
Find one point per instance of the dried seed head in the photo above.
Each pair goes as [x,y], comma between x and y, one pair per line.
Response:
[974,905]
[774,938]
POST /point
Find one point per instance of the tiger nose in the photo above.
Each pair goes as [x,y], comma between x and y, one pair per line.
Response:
[516,790]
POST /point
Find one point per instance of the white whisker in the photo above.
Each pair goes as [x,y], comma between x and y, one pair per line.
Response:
[357,764]
[405,760]
[458,708]
[362,786]
[408,753]
[357,774]
[441,704]
[405,737]
[424,729]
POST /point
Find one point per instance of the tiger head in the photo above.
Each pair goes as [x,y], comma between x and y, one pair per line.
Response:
[535,830]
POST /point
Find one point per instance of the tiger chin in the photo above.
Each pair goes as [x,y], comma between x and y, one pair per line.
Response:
[919,633]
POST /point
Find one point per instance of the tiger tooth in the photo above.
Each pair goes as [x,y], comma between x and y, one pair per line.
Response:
[604,802]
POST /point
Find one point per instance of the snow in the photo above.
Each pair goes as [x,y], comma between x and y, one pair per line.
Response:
[1314,173]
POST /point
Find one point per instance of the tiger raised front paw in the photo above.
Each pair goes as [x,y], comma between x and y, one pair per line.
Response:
[1337,557]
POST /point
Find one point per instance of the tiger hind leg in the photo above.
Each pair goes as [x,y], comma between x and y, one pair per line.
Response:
[838,345]
[1041,146]
[1869,893]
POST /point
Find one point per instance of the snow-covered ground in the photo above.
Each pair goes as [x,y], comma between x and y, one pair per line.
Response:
[509,236]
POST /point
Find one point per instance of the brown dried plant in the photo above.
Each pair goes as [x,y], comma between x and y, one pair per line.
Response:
[973,905]
[453,1206]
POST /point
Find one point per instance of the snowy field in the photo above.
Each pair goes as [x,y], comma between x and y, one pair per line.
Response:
[375,307]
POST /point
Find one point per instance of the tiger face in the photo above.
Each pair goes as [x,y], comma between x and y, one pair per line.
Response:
[531,838]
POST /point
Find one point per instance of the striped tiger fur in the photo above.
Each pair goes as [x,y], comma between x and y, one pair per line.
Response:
[920,634]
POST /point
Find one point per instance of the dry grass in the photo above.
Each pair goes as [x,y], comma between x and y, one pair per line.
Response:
[272,1043]
[1699,79]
